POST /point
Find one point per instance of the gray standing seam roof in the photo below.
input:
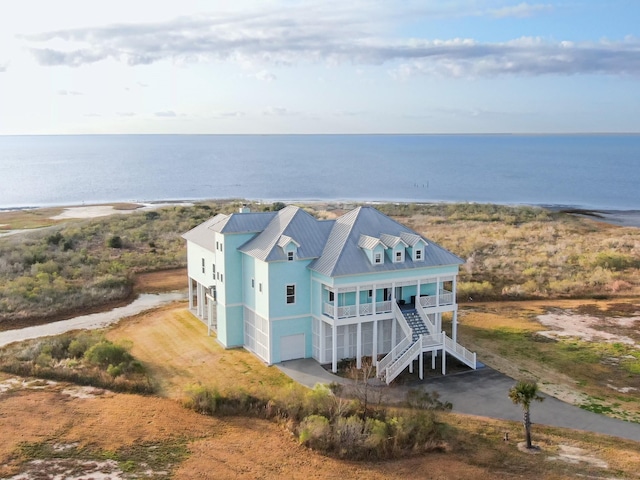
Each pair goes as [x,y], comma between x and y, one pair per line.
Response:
[201,235]
[343,256]
[243,222]
[334,245]
[292,222]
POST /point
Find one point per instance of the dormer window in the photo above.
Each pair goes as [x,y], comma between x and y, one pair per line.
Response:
[418,255]
[290,256]
[398,257]
[378,258]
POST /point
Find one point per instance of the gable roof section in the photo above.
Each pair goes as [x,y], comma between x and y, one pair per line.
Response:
[242,222]
[342,254]
[411,239]
[391,241]
[201,235]
[368,242]
[289,224]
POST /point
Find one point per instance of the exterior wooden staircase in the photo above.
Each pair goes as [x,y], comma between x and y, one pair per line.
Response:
[420,336]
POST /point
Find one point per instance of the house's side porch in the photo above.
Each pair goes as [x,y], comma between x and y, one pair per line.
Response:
[202,303]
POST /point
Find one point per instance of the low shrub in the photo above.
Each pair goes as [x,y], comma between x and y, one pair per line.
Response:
[331,424]
[84,358]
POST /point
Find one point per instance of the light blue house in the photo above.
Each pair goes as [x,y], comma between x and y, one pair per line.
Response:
[285,285]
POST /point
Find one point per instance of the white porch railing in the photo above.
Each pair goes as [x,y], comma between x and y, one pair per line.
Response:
[347,311]
[399,316]
[383,307]
[393,370]
[461,353]
[390,357]
[425,318]
[407,351]
[446,298]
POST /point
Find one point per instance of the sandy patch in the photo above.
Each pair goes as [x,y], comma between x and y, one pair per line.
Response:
[15,383]
[575,455]
[70,469]
[83,392]
[95,211]
[582,327]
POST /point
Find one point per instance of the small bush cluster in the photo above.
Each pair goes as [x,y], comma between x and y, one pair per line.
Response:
[328,422]
[85,358]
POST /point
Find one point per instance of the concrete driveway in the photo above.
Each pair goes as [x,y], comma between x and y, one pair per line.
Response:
[483,392]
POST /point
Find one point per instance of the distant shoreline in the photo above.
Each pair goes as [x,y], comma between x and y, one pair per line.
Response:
[623,218]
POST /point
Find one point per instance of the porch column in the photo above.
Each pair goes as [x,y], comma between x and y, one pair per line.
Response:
[209,316]
[190,293]
[358,302]
[437,291]
[421,366]
[322,342]
[334,348]
[417,294]
[336,296]
[359,346]
[393,332]
[374,352]
[454,288]
[434,354]
[199,300]
[454,326]
[444,357]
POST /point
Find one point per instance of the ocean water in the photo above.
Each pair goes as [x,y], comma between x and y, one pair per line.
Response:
[586,171]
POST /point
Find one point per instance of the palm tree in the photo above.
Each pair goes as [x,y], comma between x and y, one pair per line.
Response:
[523,393]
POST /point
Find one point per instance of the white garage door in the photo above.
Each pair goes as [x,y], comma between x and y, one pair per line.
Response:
[292,347]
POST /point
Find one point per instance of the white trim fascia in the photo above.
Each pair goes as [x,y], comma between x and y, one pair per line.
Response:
[291,317]
[395,280]
[230,304]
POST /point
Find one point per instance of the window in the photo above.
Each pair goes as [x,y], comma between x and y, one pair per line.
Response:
[217,246]
[221,279]
[203,265]
[398,256]
[370,293]
[253,283]
[291,294]
[331,296]
[418,254]
[290,256]
[378,258]
[213,269]
[387,294]
[260,287]
[218,275]
[220,246]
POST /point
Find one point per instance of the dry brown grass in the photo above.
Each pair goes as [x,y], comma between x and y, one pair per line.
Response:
[174,345]
[27,219]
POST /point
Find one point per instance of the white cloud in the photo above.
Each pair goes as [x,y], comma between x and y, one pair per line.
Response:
[264,75]
[69,92]
[521,10]
[166,113]
[323,37]
[277,111]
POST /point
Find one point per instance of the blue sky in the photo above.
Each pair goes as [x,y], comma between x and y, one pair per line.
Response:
[477,66]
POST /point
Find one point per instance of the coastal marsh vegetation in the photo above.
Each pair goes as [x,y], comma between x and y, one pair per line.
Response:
[510,253]
[86,263]
[530,253]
